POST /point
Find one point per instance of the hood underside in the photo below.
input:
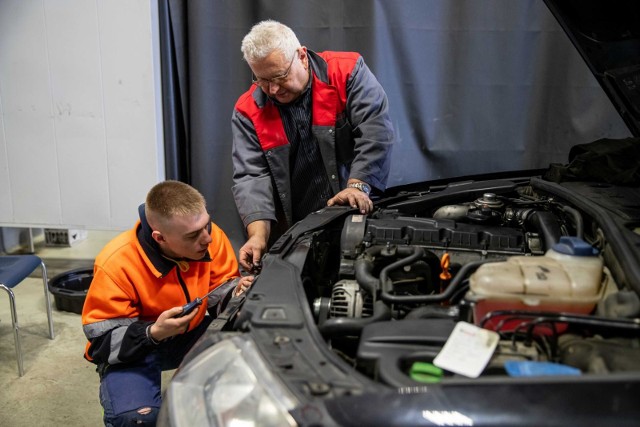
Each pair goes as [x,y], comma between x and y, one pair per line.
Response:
[607,35]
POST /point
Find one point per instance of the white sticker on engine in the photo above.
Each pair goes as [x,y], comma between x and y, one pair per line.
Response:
[468,350]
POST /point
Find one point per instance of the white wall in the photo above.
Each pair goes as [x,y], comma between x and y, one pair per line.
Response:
[80,115]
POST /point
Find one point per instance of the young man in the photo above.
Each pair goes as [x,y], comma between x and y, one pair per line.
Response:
[133,313]
[313,130]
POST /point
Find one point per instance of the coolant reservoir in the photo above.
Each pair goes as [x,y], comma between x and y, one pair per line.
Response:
[568,278]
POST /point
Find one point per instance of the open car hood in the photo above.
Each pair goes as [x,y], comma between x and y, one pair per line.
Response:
[607,35]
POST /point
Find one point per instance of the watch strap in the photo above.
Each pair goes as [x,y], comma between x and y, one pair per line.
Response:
[362,186]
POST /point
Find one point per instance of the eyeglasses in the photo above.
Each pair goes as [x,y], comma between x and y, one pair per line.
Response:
[278,80]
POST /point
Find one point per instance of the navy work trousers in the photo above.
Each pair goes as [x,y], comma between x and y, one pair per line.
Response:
[127,388]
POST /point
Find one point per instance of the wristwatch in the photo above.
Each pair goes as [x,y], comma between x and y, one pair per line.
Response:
[362,186]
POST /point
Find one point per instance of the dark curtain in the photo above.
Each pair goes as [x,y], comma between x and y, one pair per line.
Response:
[175,88]
[474,85]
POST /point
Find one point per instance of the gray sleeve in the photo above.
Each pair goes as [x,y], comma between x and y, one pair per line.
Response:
[252,184]
[368,113]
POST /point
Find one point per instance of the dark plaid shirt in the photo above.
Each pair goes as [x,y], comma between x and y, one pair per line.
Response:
[310,187]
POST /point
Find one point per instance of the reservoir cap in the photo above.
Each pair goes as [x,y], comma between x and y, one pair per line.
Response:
[570,245]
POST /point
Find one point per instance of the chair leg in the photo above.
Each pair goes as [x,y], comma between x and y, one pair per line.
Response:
[47,299]
[14,323]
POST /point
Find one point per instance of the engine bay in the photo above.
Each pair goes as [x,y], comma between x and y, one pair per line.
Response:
[517,257]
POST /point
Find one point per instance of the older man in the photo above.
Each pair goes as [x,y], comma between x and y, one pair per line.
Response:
[313,130]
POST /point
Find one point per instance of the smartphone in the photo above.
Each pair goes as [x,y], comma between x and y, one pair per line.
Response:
[189,307]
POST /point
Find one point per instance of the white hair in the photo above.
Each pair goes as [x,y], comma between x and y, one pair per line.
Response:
[267,36]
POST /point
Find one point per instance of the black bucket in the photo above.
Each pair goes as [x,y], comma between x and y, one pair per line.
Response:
[70,288]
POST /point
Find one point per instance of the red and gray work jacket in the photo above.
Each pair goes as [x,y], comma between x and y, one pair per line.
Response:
[350,122]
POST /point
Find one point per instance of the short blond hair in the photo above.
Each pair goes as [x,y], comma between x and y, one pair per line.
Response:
[267,36]
[171,198]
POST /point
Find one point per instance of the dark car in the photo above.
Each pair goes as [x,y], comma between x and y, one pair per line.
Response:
[507,299]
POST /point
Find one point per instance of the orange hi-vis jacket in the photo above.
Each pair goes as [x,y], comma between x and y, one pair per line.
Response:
[133,283]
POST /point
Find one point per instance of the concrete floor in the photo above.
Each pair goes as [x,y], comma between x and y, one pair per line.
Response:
[59,387]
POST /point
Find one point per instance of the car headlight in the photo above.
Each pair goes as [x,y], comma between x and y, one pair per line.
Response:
[228,384]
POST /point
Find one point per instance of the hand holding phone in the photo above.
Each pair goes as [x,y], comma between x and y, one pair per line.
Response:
[189,307]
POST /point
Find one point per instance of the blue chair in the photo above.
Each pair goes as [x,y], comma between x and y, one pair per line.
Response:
[13,270]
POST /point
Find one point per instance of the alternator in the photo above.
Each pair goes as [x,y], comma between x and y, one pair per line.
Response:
[348,300]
